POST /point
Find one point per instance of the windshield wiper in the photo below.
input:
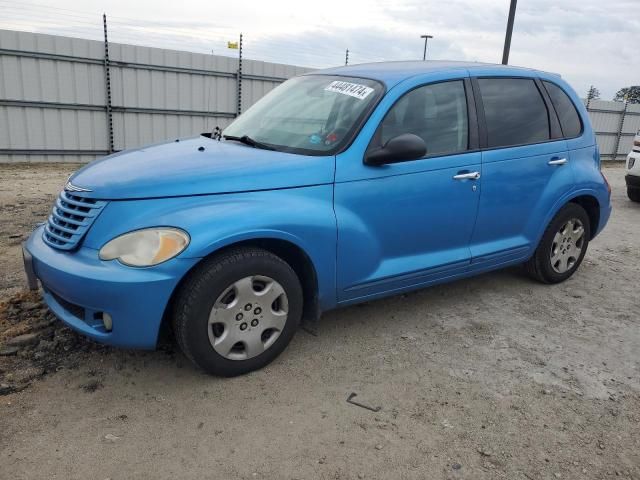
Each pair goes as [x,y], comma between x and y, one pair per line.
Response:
[247,140]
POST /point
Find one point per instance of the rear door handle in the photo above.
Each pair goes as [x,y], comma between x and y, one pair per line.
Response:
[467,176]
[557,161]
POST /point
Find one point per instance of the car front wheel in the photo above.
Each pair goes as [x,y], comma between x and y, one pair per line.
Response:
[237,311]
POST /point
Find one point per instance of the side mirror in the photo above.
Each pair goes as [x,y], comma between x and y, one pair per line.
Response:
[398,149]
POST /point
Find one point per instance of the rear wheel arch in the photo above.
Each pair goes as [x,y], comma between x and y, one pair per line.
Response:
[558,242]
[586,200]
[592,207]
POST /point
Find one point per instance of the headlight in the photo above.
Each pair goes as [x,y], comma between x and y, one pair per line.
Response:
[144,248]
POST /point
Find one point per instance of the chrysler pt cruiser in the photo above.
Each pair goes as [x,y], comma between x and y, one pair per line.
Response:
[338,187]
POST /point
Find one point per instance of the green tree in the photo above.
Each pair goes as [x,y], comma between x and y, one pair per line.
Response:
[630,94]
[593,93]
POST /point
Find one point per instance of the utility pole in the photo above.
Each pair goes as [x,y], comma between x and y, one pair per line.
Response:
[426,39]
[346,57]
[507,38]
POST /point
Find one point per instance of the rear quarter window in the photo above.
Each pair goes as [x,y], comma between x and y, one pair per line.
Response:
[514,110]
[567,114]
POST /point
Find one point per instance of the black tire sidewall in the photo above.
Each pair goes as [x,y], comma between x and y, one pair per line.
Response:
[569,211]
[194,321]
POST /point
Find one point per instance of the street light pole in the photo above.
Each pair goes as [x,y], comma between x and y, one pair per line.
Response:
[426,39]
[507,38]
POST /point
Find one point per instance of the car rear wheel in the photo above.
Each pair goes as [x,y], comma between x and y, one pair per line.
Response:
[562,247]
[633,194]
[237,311]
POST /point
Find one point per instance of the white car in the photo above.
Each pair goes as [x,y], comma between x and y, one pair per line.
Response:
[632,176]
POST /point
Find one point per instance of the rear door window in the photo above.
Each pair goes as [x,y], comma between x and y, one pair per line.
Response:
[566,110]
[514,110]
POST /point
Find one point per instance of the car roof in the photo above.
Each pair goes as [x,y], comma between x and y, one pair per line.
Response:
[391,73]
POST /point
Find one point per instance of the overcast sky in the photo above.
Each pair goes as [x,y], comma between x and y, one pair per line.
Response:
[586,41]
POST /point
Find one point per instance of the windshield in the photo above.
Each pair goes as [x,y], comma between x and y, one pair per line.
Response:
[312,114]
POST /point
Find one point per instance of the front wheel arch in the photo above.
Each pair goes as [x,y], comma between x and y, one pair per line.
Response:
[288,251]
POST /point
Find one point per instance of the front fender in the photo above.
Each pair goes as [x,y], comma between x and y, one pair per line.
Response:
[302,216]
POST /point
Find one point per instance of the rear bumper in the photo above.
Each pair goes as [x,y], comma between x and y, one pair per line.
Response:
[605,214]
[79,288]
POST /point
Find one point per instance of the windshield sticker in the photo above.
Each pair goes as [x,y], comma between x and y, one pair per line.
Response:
[352,89]
[315,139]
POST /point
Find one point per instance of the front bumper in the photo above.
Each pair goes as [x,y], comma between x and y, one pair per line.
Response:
[27,259]
[79,288]
[632,163]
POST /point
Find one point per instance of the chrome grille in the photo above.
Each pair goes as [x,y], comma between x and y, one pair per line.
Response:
[70,219]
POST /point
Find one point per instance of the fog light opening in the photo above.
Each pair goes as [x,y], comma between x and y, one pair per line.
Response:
[107,321]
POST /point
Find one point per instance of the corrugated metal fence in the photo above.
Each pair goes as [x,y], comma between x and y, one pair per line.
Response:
[53,95]
[55,104]
[615,124]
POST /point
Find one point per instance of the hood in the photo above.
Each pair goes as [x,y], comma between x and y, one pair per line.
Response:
[198,166]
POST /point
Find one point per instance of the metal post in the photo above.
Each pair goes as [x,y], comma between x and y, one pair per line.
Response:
[346,57]
[239,78]
[426,39]
[107,84]
[507,38]
[620,127]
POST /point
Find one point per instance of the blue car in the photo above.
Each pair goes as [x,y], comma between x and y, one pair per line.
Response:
[338,187]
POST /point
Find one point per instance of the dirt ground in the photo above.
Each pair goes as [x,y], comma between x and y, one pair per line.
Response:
[487,378]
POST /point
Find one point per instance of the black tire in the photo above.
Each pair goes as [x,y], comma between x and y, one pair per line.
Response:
[633,194]
[197,294]
[539,265]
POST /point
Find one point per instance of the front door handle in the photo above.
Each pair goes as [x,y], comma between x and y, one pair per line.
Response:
[557,161]
[467,176]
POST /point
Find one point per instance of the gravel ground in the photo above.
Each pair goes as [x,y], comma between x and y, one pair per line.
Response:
[491,377]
